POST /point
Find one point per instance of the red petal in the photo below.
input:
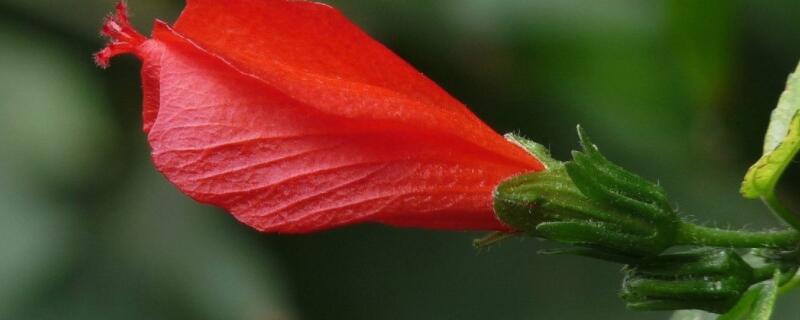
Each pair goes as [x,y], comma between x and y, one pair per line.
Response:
[314,138]
[312,53]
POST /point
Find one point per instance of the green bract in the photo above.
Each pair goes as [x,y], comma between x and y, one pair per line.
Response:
[609,213]
[537,149]
[589,202]
[706,279]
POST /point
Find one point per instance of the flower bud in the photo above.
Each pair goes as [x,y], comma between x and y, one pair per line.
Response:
[588,202]
[705,279]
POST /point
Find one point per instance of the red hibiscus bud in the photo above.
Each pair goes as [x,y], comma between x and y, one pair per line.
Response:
[293,119]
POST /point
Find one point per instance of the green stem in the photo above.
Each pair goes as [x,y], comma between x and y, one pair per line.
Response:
[692,234]
[771,200]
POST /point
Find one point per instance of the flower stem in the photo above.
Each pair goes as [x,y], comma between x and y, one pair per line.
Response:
[771,200]
[692,234]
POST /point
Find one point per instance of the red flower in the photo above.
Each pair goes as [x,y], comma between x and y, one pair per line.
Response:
[293,119]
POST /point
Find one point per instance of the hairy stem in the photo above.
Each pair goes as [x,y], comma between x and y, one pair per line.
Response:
[692,234]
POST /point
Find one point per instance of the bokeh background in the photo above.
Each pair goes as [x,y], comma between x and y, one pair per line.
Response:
[679,91]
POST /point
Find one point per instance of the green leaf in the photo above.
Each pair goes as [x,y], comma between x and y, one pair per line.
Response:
[765,304]
[781,143]
[757,303]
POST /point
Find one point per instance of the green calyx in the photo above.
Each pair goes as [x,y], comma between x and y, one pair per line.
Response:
[705,279]
[606,212]
[588,202]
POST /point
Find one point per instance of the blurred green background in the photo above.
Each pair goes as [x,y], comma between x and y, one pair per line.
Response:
[679,91]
